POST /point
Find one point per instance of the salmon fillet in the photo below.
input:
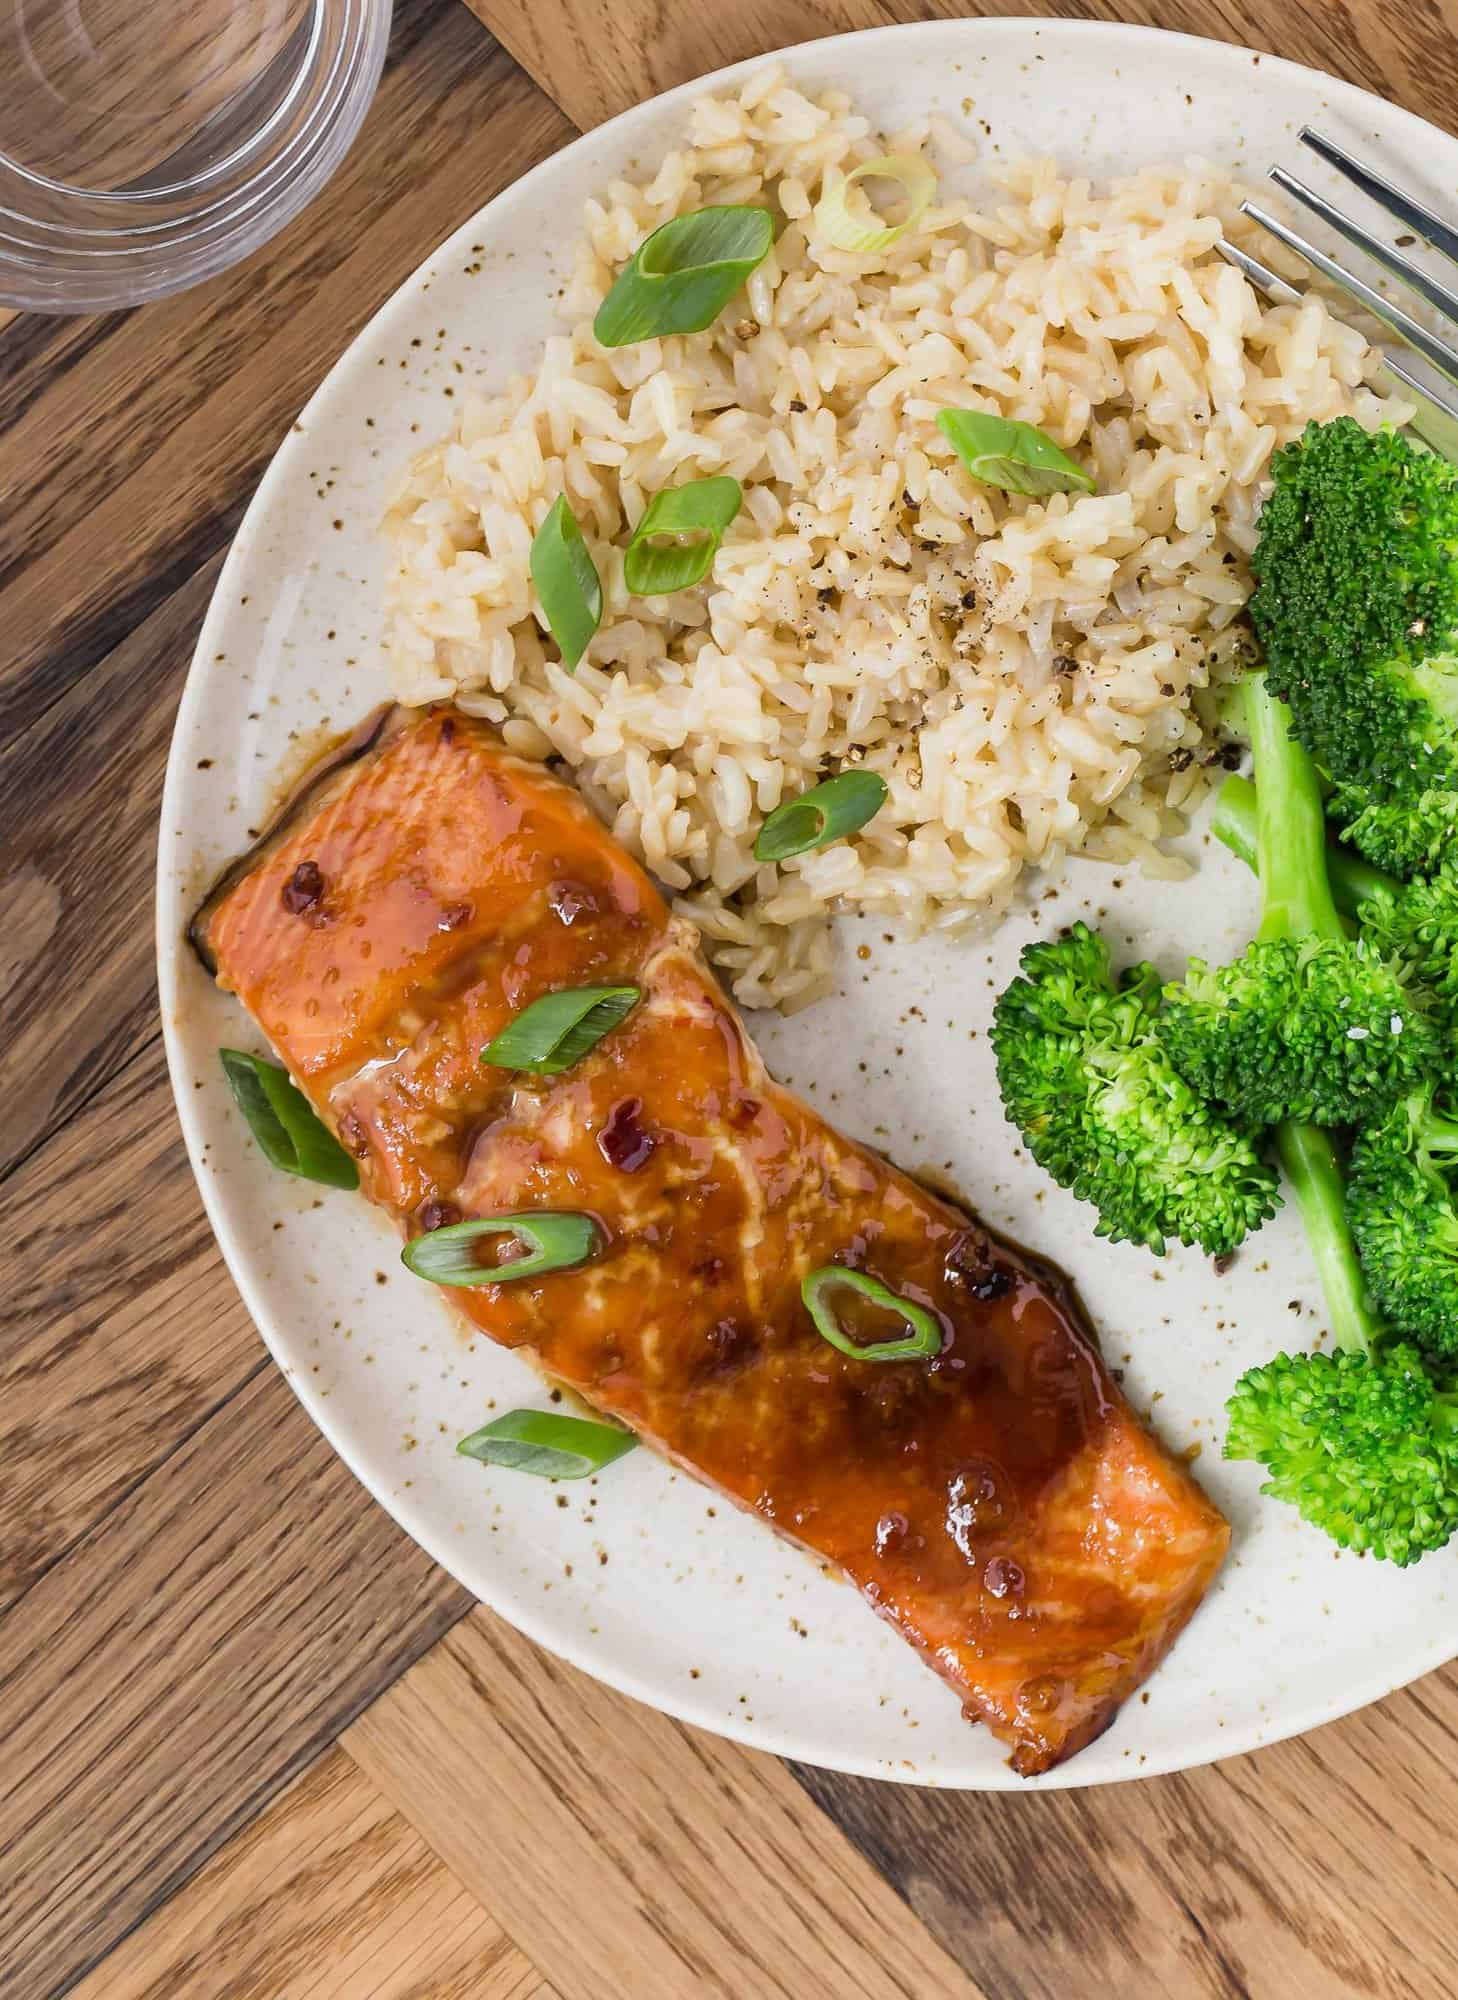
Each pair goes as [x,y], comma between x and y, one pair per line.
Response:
[1000,1503]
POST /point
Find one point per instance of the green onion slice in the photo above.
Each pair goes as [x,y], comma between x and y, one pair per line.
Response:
[549,1446]
[675,543]
[862,231]
[681,277]
[559,1029]
[923,1338]
[289,1132]
[567,581]
[826,812]
[557,1240]
[1017,457]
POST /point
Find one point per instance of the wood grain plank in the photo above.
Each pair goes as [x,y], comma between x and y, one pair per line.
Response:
[129,1333]
[121,475]
[594,61]
[328,1895]
[77,982]
[626,1853]
[185,1661]
[1318,1868]
[596,57]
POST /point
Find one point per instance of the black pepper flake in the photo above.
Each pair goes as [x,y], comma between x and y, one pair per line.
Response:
[1181,760]
[969,600]
[1064,663]
[798,407]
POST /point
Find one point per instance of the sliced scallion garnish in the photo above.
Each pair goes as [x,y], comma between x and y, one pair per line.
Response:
[288,1130]
[675,543]
[826,812]
[557,1240]
[549,1446]
[923,1338]
[681,277]
[863,233]
[566,581]
[1017,457]
[559,1029]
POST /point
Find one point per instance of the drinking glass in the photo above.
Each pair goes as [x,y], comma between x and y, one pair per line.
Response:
[147,144]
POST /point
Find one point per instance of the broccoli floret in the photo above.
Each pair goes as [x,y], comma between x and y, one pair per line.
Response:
[1357,609]
[1407,836]
[1363,1442]
[1364,1446]
[1085,1081]
[1306,1024]
[1412,925]
[1401,1205]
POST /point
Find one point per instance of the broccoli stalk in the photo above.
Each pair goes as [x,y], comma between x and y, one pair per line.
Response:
[1313,1173]
[1353,881]
[1401,1205]
[1087,1084]
[1305,1025]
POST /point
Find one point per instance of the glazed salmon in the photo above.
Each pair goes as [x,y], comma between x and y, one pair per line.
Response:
[999,1503]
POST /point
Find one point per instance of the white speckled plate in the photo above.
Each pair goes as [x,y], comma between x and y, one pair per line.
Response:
[639,1577]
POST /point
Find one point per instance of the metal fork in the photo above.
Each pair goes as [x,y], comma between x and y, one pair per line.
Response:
[1437,418]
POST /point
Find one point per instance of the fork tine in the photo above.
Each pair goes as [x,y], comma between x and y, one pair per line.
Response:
[1401,323]
[1264,279]
[1402,207]
[1437,296]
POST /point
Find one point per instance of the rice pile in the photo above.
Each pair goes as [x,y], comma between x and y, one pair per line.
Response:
[1023,674]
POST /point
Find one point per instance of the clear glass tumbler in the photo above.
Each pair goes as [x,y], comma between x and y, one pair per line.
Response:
[147,144]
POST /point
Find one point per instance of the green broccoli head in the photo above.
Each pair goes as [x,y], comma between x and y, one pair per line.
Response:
[1100,1108]
[1414,926]
[1310,1028]
[1364,1446]
[1400,1204]
[1405,835]
[1357,607]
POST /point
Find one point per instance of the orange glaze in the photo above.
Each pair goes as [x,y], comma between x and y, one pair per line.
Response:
[1000,1503]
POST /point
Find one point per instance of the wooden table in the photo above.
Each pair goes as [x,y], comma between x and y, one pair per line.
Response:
[251,1742]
